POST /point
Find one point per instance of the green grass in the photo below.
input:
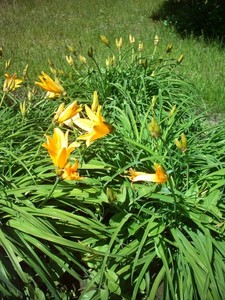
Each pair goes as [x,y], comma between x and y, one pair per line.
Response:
[33,32]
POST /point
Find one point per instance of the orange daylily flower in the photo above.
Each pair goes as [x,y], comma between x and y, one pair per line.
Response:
[11,83]
[54,88]
[70,172]
[159,176]
[58,148]
[64,115]
[95,125]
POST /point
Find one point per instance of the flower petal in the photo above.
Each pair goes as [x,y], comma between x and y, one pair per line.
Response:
[84,124]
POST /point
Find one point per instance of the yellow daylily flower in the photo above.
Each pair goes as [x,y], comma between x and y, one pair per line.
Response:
[58,148]
[54,88]
[159,176]
[95,125]
[11,83]
[66,114]
[70,172]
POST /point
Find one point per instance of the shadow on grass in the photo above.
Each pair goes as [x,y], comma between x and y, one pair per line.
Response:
[194,17]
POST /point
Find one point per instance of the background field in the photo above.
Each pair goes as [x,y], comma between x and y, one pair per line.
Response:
[33,31]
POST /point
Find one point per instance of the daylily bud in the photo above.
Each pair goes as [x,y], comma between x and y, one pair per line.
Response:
[169,48]
[53,70]
[72,50]
[109,61]
[70,60]
[50,63]
[144,63]
[156,40]
[104,40]
[90,52]
[7,63]
[154,128]
[184,141]
[1,52]
[140,46]
[131,39]
[119,43]
[172,110]
[95,103]
[82,59]
[23,108]
[180,58]
[182,145]
[154,98]
[30,94]
[25,71]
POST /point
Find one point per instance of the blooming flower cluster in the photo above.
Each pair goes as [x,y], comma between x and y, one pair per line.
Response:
[87,121]
[94,126]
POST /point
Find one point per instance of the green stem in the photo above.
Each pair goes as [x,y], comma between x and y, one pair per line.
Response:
[3,97]
[187,159]
[174,197]
[50,193]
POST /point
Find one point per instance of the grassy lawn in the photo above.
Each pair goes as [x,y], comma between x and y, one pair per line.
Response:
[33,32]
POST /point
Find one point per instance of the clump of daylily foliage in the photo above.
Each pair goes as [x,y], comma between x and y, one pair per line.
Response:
[128,200]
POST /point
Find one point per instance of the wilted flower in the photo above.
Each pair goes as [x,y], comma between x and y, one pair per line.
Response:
[58,148]
[70,171]
[63,114]
[95,125]
[11,83]
[159,176]
[53,88]
[182,144]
